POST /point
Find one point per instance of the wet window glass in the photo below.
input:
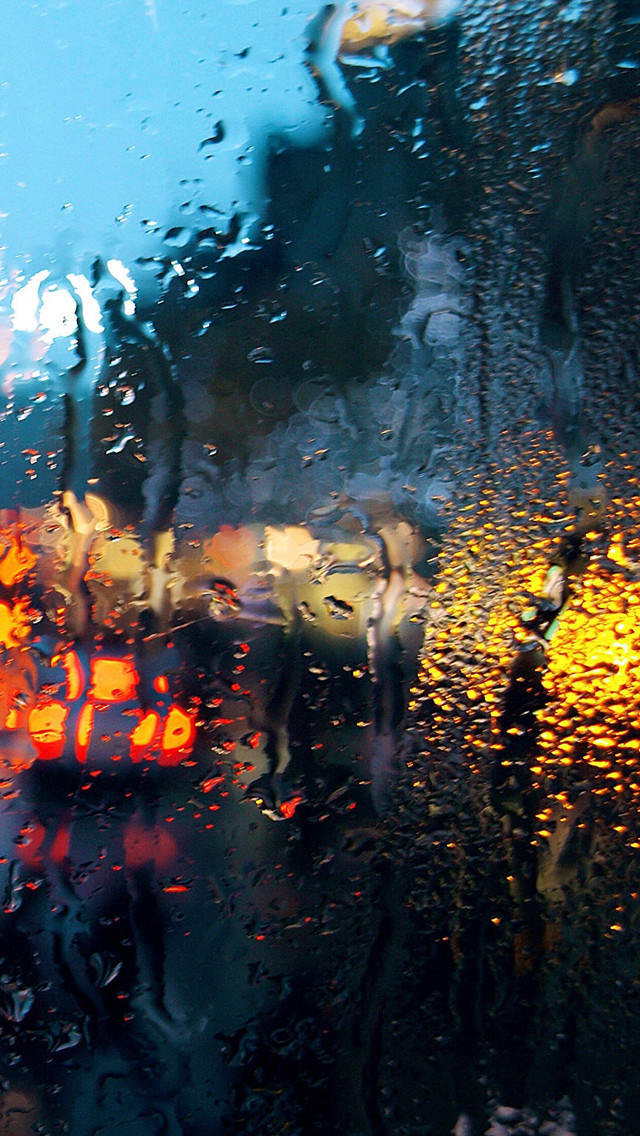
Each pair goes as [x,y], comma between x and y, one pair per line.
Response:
[319,568]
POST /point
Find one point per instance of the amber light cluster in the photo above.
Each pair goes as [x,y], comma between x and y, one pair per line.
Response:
[494,562]
[16,561]
[93,702]
[499,538]
[166,735]
[18,675]
[591,717]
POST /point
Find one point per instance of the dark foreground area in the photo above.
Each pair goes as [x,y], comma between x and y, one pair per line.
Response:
[319,636]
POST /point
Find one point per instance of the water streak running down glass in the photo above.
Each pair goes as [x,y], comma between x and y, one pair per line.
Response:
[319,568]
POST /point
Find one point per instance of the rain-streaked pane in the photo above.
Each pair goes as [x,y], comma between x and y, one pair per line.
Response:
[319,568]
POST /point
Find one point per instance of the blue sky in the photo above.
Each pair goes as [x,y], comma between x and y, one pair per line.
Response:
[104,105]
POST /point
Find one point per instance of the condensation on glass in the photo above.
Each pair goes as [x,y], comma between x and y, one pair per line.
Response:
[319,568]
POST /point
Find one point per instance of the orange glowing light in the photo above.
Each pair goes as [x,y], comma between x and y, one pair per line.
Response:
[177,737]
[75,675]
[113,680]
[161,684]
[83,732]
[143,734]
[47,728]
[14,623]
[288,808]
[211,782]
[15,563]
[12,720]
[376,22]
